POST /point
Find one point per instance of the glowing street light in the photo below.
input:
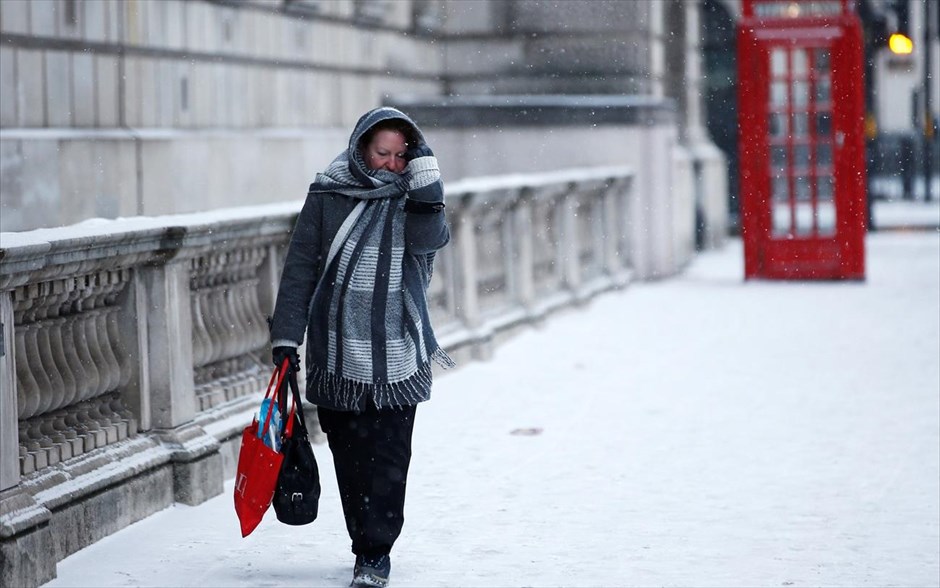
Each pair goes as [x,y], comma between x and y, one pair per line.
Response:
[900,44]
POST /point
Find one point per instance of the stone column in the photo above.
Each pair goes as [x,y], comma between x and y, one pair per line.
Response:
[692,85]
[571,265]
[524,258]
[468,276]
[197,463]
[169,339]
[9,440]
[651,208]
[657,51]
[612,232]
[132,326]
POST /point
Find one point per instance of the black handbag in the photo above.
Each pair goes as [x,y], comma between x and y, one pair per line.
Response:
[297,495]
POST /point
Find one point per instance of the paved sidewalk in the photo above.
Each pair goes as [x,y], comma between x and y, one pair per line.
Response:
[698,431]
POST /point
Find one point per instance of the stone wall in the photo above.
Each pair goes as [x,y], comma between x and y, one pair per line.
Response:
[537,47]
[138,107]
[197,64]
[115,108]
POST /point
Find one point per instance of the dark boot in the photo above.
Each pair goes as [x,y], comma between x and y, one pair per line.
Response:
[371,571]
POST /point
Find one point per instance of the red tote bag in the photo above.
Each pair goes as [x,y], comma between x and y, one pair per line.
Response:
[258,465]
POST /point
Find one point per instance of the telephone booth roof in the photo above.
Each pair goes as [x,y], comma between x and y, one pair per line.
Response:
[778,11]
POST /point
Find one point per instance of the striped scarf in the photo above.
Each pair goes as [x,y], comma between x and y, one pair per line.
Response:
[373,306]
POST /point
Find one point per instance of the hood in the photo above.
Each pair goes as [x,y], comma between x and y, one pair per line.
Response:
[368,120]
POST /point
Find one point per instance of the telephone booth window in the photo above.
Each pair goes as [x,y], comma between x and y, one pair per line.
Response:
[801,161]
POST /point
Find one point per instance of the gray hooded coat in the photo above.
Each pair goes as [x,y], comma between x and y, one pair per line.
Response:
[369,336]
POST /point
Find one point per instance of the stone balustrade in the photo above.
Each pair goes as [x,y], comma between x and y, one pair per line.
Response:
[524,245]
[133,351]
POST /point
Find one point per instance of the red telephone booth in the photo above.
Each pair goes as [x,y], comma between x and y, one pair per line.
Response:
[802,146]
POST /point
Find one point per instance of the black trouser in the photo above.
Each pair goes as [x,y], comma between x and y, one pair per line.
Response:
[371,453]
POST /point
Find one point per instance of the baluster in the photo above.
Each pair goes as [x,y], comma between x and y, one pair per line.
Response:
[208,319]
[27,387]
[205,304]
[201,342]
[225,318]
[114,329]
[241,309]
[112,369]
[53,325]
[82,347]
[556,215]
[114,336]
[95,309]
[91,308]
[258,315]
[107,345]
[80,362]
[54,396]
[243,283]
[250,321]
[90,329]
[256,326]
[259,326]
[229,327]
[32,356]
[63,354]
[69,339]
[237,329]
[211,316]
[239,336]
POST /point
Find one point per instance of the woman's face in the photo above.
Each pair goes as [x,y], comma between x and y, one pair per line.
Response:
[386,151]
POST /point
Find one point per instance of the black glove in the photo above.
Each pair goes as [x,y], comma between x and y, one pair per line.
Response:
[282,352]
[419,150]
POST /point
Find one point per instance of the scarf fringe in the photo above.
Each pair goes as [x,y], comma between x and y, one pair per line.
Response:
[442,359]
[345,392]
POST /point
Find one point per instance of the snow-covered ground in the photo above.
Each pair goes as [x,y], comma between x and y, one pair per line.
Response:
[907,214]
[698,431]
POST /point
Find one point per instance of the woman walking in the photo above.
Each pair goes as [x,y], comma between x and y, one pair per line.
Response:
[355,279]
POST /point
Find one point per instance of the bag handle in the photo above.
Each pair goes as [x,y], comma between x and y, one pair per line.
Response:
[297,407]
[278,374]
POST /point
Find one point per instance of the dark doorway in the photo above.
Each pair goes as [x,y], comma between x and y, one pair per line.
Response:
[720,87]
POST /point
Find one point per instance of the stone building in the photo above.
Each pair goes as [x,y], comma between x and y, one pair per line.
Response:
[116,108]
[584,116]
